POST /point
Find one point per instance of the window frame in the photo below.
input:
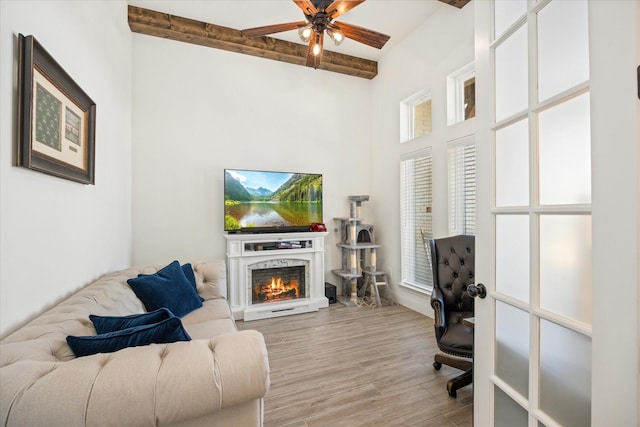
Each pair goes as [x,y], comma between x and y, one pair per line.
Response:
[414,254]
[461,186]
[407,114]
[455,93]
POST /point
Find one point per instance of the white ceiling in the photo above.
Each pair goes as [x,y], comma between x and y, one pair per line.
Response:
[396,18]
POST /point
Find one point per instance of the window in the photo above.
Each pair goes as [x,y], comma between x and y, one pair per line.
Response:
[461,158]
[461,95]
[416,220]
[415,116]
[469,90]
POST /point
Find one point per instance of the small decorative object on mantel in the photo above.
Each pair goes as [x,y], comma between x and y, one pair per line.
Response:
[56,118]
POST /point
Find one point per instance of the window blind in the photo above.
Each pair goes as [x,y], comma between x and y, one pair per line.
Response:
[416,220]
[462,187]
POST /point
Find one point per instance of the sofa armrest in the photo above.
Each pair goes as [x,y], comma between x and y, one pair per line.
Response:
[211,279]
[157,384]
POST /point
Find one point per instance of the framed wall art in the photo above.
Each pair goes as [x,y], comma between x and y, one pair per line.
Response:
[56,118]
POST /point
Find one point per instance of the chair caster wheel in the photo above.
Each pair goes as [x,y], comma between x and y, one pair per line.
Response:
[437,365]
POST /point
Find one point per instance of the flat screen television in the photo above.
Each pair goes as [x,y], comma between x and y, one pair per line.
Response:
[266,201]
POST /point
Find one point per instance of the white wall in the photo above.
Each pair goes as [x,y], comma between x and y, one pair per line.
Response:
[195,111]
[57,235]
[198,110]
[441,46]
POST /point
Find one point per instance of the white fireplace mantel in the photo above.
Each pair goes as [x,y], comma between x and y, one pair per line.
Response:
[244,251]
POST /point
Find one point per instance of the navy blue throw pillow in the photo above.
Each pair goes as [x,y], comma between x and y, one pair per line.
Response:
[166,331]
[169,288]
[105,324]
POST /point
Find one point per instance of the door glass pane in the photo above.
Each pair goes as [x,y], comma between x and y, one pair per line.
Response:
[512,256]
[512,165]
[565,375]
[512,347]
[565,265]
[507,12]
[563,54]
[511,75]
[508,413]
[565,153]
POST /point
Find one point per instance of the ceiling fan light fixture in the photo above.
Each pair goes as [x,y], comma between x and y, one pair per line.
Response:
[317,48]
[305,33]
[336,36]
[319,16]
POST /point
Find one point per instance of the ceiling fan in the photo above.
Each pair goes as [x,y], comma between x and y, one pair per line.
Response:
[320,15]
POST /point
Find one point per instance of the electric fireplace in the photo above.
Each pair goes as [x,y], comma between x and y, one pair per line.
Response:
[277,284]
[271,275]
[277,280]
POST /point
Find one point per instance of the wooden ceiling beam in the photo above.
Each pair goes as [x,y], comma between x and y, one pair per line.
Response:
[456,3]
[152,23]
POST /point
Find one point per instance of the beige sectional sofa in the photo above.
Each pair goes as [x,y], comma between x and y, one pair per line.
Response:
[218,378]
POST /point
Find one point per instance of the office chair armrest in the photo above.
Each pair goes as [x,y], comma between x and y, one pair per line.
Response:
[437,302]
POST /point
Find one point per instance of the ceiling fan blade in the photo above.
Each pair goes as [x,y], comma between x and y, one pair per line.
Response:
[307,6]
[362,35]
[314,60]
[271,29]
[339,7]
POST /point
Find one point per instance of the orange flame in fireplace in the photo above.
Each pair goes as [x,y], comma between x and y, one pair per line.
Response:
[277,290]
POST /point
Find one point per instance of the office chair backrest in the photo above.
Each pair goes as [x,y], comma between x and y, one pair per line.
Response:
[453,261]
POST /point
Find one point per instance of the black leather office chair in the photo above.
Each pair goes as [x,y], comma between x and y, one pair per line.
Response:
[452,259]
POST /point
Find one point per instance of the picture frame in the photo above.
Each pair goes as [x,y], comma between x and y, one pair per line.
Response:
[56,118]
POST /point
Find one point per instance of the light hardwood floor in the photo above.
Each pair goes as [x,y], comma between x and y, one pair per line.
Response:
[358,366]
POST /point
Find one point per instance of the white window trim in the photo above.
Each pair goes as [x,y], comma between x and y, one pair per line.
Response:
[455,93]
[411,236]
[407,113]
[427,290]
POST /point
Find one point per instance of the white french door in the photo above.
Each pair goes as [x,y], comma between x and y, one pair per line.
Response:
[557,339]
[535,163]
